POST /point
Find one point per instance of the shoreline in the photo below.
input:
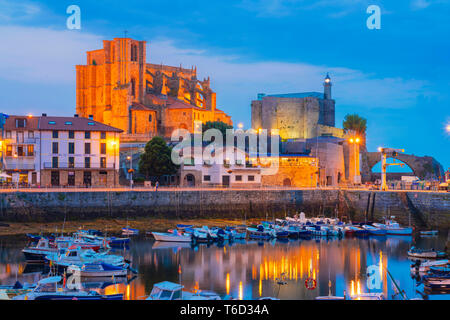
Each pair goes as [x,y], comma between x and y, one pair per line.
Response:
[111,225]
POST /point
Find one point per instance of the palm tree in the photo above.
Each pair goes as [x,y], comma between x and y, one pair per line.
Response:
[356,123]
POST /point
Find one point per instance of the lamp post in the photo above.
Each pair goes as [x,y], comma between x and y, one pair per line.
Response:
[130,171]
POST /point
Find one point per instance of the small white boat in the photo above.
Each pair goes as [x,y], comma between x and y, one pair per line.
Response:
[429,233]
[368,296]
[171,237]
[97,270]
[374,230]
[129,231]
[427,254]
[167,290]
[423,267]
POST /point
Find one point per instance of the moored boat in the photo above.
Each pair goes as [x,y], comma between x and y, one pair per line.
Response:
[428,254]
[167,290]
[97,270]
[374,230]
[172,237]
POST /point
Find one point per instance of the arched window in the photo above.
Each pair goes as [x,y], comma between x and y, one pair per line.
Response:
[149,118]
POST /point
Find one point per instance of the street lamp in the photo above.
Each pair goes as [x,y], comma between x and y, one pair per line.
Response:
[131,170]
[447,128]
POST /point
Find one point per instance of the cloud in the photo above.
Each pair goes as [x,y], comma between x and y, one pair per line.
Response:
[14,11]
[423,4]
[30,54]
[282,8]
[241,80]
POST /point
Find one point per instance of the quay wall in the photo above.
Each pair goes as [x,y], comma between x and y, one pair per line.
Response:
[422,209]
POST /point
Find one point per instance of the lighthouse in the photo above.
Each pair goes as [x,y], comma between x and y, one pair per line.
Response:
[327,88]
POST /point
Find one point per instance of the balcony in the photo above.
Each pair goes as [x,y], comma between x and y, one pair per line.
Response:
[79,165]
[18,165]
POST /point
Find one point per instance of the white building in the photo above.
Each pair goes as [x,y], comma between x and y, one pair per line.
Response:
[60,151]
[234,172]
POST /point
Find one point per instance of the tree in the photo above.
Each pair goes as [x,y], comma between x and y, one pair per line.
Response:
[219,125]
[156,159]
[356,123]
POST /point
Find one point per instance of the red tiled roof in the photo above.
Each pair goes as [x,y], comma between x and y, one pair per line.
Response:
[77,124]
[141,107]
[60,123]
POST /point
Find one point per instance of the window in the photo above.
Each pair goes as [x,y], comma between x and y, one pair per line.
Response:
[206,178]
[68,123]
[55,162]
[21,123]
[238,178]
[102,162]
[251,178]
[8,134]
[103,135]
[55,147]
[87,148]
[102,148]
[71,147]
[91,123]
[71,162]
[134,53]
[133,87]
[55,134]
[71,134]
[30,150]
[30,134]
[9,151]
[87,162]
[20,151]
[149,118]
[51,122]
[87,134]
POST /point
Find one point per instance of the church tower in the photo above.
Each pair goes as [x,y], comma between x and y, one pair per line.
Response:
[327,88]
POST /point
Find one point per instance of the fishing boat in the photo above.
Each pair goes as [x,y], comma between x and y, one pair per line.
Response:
[175,236]
[167,290]
[393,228]
[237,232]
[427,254]
[127,231]
[429,232]
[374,230]
[7,292]
[49,289]
[442,270]
[437,282]
[36,252]
[423,267]
[184,226]
[261,233]
[97,270]
[203,234]
[78,256]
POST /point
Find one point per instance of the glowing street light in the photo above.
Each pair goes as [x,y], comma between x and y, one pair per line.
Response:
[240,125]
[447,128]
[356,141]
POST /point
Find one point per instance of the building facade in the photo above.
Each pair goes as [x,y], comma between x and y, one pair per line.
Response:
[119,88]
[234,171]
[50,151]
[306,125]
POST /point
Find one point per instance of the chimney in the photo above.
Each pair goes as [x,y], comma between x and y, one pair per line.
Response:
[44,114]
[91,117]
[75,115]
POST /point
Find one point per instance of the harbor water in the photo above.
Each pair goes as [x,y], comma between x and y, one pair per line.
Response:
[248,269]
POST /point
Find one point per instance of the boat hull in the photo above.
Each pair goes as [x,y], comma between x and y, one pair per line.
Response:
[170,237]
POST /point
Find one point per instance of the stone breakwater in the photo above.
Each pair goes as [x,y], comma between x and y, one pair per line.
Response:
[422,209]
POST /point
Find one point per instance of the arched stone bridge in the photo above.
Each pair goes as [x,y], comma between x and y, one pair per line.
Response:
[423,167]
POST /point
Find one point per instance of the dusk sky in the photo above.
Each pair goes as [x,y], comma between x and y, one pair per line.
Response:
[397,77]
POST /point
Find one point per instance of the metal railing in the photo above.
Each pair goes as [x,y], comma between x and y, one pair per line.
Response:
[78,165]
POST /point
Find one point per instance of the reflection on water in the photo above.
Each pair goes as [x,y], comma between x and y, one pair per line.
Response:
[251,269]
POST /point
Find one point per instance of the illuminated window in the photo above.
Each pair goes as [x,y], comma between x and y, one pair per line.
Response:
[30,150]
[102,148]
[102,135]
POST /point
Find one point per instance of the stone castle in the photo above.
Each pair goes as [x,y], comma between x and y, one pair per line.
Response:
[119,88]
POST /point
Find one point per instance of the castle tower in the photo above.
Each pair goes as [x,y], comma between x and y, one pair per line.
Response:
[327,88]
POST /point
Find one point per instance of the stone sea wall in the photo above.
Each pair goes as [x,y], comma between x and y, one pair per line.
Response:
[422,209]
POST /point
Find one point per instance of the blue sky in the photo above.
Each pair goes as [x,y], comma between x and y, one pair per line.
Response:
[397,77]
